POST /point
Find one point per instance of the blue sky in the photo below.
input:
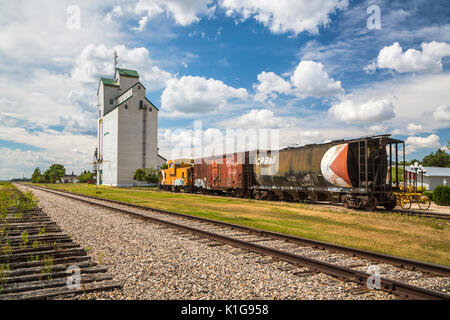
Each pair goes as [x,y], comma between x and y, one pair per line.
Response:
[312,69]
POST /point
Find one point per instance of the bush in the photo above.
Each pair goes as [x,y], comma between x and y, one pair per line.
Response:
[429,194]
[139,175]
[148,175]
[151,176]
[441,195]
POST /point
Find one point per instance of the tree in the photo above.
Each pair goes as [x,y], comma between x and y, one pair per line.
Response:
[56,172]
[440,158]
[37,176]
[164,166]
[148,175]
[151,175]
[139,175]
[46,176]
[86,177]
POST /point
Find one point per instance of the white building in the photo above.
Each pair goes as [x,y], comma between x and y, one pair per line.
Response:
[433,177]
[69,178]
[127,129]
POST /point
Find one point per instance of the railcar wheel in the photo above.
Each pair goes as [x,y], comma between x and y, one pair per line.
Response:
[406,203]
[346,202]
[372,204]
[391,205]
[424,203]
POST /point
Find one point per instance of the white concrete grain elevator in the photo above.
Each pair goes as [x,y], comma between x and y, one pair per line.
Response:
[127,129]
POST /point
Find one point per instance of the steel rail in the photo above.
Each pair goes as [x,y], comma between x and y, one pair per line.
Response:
[417,213]
[375,256]
[346,274]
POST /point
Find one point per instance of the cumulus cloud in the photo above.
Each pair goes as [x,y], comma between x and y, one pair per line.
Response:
[416,143]
[270,84]
[74,151]
[96,61]
[377,129]
[114,13]
[37,39]
[258,119]
[309,79]
[415,99]
[184,12]
[64,96]
[285,15]
[442,113]
[427,60]
[191,95]
[370,111]
[412,127]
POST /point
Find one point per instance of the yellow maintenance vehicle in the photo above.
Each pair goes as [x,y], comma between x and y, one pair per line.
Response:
[405,198]
[178,176]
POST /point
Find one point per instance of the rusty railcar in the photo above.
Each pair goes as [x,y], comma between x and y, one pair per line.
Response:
[230,173]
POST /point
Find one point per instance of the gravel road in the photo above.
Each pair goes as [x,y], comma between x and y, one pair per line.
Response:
[155,262]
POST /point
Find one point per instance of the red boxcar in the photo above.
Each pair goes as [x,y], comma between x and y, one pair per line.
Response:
[224,172]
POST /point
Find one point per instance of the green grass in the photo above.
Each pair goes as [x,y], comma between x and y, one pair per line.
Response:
[5,184]
[411,237]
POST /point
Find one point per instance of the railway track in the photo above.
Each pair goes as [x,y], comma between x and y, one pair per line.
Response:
[409,212]
[38,260]
[344,263]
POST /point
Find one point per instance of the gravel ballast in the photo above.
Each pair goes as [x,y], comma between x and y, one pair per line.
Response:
[155,262]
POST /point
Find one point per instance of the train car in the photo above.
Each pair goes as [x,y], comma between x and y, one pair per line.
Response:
[178,176]
[352,172]
[225,173]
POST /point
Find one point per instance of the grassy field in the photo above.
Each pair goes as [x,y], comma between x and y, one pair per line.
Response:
[5,184]
[411,237]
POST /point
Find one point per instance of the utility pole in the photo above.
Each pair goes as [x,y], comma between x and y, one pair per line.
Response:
[116,61]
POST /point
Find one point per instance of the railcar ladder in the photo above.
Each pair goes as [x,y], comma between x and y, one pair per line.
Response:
[363,173]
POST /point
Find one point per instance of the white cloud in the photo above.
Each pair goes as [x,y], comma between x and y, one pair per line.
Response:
[414,99]
[412,127]
[184,12]
[269,85]
[377,129]
[74,151]
[258,119]
[371,111]
[96,61]
[416,143]
[36,39]
[66,101]
[442,113]
[191,95]
[285,15]
[427,60]
[114,13]
[371,68]
[310,79]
